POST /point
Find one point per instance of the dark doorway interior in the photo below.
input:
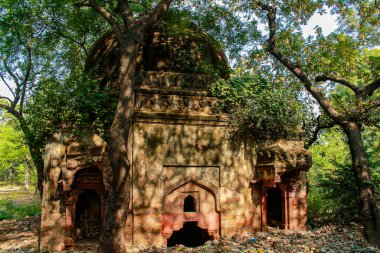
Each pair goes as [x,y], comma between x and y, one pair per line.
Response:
[189,204]
[88,223]
[274,207]
[189,235]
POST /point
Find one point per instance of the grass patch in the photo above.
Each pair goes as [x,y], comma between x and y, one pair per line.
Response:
[10,211]
[17,203]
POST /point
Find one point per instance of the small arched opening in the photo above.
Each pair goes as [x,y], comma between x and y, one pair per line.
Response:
[189,204]
[274,208]
[189,235]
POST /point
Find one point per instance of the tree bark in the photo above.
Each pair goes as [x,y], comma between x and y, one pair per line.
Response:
[129,35]
[35,153]
[27,178]
[370,207]
[113,236]
[11,173]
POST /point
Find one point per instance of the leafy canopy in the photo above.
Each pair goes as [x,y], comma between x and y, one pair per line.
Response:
[259,108]
[73,104]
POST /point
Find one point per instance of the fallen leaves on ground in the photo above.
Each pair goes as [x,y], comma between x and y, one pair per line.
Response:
[329,238]
[21,236]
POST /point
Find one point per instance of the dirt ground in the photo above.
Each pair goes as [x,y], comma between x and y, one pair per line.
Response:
[19,235]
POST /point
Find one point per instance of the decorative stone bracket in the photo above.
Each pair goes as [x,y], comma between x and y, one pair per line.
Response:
[282,157]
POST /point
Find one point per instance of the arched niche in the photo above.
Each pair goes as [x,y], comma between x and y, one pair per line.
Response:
[86,204]
[192,179]
[191,206]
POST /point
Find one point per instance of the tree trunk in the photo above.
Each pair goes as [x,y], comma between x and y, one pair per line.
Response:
[11,173]
[113,235]
[26,178]
[28,170]
[370,206]
[35,152]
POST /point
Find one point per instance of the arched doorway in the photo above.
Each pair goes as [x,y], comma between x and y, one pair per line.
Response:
[274,207]
[88,215]
[189,235]
[88,205]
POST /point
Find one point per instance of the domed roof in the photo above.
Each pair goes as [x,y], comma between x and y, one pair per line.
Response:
[167,48]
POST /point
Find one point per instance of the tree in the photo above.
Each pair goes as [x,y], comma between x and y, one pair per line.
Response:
[363,109]
[351,125]
[23,58]
[129,31]
[41,44]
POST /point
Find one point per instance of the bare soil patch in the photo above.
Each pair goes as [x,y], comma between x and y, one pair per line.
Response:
[19,235]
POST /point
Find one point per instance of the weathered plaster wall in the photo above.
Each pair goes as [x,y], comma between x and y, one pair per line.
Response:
[64,157]
[53,208]
[164,154]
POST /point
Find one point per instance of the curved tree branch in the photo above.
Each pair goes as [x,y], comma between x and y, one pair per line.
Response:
[155,14]
[346,83]
[6,83]
[26,78]
[293,67]
[6,98]
[320,126]
[16,81]
[125,13]
[107,16]
[11,111]
[9,71]
[369,89]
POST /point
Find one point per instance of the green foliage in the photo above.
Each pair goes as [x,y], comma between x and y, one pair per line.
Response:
[73,104]
[14,153]
[333,193]
[258,108]
[10,211]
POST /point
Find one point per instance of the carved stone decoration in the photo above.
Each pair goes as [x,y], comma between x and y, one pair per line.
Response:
[283,156]
[145,79]
[174,103]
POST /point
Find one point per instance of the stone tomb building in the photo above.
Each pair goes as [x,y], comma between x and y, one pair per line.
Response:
[188,184]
